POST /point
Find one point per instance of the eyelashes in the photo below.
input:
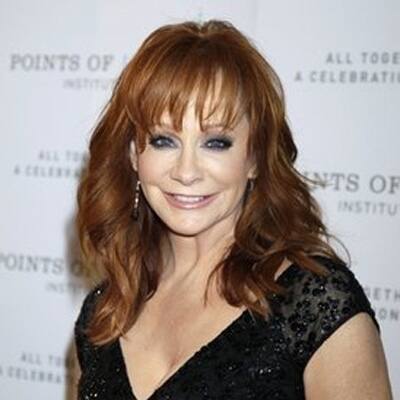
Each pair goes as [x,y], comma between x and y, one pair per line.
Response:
[217,143]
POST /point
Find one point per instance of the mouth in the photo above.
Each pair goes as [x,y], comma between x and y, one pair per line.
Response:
[189,201]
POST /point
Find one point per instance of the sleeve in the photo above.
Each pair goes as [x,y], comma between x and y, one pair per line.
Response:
[320,305]
[84,349]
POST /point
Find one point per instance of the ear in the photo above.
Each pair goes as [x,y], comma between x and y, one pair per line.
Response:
[252,171]
[133,155]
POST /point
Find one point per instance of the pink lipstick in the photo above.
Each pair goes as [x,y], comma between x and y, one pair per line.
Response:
[188,202]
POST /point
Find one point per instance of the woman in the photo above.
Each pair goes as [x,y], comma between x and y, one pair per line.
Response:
[218,281]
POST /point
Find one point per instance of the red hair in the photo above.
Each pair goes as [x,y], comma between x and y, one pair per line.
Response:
[280,217]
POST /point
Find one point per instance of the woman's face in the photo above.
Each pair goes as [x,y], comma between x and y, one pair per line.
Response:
[193,180]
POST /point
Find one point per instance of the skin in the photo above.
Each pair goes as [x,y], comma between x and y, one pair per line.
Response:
[190,162]
[193,162]
[349,365]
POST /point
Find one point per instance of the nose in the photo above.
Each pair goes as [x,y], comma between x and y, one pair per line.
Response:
[187,168]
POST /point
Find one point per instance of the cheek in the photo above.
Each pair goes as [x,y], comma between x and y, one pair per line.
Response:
[229,168]
[151,167]
[231,175]
[233,169]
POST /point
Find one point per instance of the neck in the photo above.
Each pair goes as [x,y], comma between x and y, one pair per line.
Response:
[192,258]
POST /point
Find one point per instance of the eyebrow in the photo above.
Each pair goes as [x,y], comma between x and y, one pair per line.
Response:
[207,127]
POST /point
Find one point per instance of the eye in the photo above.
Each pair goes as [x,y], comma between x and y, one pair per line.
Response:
[160,141]
[219,144]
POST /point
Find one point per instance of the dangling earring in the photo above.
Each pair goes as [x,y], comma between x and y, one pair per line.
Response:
[135,213]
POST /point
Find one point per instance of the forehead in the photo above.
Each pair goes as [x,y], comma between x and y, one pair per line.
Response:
[208,115]
[212,111]
[191,122]
[206,97]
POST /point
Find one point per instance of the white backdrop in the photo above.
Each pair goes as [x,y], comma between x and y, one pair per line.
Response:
[340,65]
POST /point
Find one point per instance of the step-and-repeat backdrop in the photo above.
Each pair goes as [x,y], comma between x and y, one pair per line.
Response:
[340,65]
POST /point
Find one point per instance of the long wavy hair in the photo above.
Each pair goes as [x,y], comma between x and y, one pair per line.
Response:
[280,218]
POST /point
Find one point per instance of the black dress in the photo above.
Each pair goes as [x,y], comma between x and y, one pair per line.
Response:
[252,358]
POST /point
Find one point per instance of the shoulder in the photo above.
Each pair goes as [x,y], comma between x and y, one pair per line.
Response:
[84,348]
[315,306]
[88,305]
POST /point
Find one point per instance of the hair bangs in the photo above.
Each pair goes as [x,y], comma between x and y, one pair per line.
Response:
[218,68]
[205,73]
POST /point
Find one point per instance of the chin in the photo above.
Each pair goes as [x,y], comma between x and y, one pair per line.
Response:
[187,229]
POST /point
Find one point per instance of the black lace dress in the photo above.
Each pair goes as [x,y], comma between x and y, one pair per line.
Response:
[252,358]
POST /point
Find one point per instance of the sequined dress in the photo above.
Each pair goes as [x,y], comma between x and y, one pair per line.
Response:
[252,358]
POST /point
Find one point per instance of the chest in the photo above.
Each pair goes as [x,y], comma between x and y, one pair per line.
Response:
[161,343]
[247,360]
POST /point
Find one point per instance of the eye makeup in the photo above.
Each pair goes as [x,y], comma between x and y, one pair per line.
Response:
[218,142]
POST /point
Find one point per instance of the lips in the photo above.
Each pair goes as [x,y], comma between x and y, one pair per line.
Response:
[188,201]
[188,198]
